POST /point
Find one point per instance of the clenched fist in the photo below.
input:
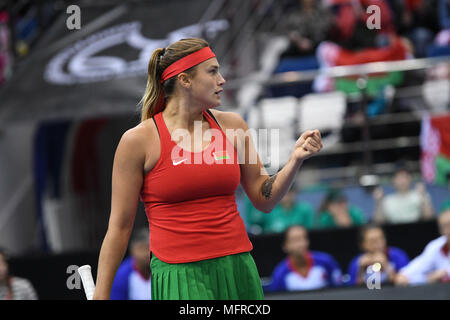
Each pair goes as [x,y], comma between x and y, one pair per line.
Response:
[309,143]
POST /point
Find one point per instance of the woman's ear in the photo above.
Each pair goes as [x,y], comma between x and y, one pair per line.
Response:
[184,80]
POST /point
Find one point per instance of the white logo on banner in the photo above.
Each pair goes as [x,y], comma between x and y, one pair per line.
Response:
[81,62]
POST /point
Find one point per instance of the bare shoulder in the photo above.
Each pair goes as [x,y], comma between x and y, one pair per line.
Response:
[136,136]
[229,119]
[139,141]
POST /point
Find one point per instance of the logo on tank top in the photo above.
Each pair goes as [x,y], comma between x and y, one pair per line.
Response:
[221,155]
[175,163]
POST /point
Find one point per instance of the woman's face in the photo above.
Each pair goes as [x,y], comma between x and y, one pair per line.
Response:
[297,242]
[402,181]
[206,84]
[337,207]
[374,241]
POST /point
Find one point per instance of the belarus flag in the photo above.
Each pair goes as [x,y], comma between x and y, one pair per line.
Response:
[435,144]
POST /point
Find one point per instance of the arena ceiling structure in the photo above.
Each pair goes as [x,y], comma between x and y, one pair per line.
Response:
[100,69]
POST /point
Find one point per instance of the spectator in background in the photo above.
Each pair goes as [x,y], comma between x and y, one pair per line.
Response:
[336,212]
[441,43]
[373,244]
[11,287]
[404,205]
[350,20]
[420,23]
[132,281]
[303,269]
[433,264]
[306,27]
[288,212]
[352,42]
[253,218]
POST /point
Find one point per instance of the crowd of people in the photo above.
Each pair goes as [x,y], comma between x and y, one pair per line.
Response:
[13,287]
[304,269]
[331,33]
[357,34]
[22,23]
[407,204]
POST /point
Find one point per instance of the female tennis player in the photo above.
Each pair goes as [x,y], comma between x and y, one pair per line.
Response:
[199,245]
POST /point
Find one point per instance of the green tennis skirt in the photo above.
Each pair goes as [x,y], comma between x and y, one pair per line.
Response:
[232,277]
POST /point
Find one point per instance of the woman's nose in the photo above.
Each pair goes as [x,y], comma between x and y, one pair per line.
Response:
[222,80]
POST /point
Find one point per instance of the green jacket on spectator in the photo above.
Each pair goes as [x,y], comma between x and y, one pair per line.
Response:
[281,217]
[325,219]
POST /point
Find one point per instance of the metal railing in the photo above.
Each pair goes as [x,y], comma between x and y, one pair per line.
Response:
[361,70]
[367,145]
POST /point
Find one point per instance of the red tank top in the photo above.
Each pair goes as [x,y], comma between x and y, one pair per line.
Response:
[189,200]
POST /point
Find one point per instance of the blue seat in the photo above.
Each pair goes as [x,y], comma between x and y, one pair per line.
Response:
[294,64]
[297,64]
[438,51]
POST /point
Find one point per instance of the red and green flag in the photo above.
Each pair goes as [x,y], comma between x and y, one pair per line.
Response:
[435,145]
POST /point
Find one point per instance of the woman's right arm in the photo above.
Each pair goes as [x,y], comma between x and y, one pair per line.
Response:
[127,178]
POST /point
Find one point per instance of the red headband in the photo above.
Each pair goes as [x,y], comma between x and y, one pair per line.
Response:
[187,62]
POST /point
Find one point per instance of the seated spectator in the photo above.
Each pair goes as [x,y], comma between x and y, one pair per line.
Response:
[433,264]
[306,27]
[404,205]
[351,19]
[373,244]
[420,23]
[132,281]
[253,218]
[11,287]
[336,212]
[303,269]
[288,212]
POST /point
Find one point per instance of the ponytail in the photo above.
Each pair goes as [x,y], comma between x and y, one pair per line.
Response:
[154,90]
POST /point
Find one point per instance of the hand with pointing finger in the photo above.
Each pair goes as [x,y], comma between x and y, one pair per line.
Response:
[309,143]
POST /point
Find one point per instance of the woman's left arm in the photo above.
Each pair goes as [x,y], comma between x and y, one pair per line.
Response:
[263,190]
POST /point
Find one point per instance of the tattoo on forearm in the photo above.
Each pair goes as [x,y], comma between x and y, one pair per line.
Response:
[266,189]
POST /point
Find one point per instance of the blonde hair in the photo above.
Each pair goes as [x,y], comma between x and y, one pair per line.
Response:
[160,60]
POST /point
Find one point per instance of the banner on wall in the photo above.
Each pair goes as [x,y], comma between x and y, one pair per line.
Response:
[101,69]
